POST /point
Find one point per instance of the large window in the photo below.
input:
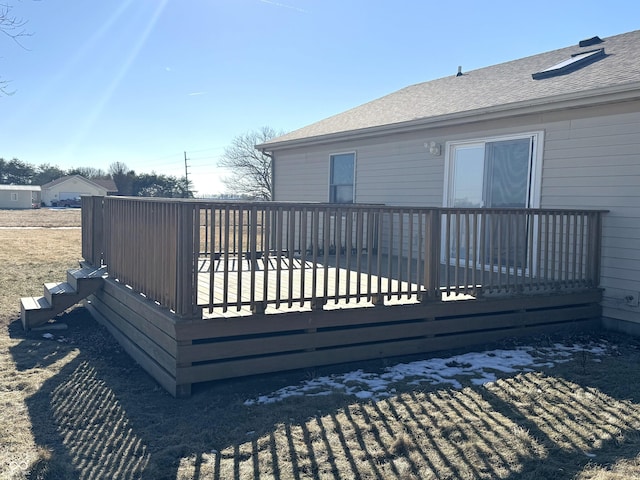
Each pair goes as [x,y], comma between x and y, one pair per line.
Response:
[341,178]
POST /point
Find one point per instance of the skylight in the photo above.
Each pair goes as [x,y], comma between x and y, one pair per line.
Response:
[576,62]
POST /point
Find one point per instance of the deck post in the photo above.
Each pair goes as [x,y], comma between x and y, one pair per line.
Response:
[258,308]
[318,303]
[432,241]
[187,258]
[377,299]
[595,242]
[92,229]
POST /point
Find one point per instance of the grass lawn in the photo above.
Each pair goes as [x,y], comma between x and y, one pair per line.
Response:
[75,406]
[41,217]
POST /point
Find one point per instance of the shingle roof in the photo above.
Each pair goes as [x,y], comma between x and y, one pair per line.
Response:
[108,184]
[497,85]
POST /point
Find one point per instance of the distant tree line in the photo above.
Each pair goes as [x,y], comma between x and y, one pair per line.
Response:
[128,182]
[148,184]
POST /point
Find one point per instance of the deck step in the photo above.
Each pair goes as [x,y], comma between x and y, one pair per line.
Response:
[35,311]
[35,303]
[59,296]
[86,275]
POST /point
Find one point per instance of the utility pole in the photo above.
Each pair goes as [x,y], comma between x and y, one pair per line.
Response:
[186,176]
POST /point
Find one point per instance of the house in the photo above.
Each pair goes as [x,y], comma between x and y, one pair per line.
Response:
[19,196]
[74,186]
[556,130]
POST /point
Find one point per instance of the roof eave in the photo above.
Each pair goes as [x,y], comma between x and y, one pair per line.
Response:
[594,97]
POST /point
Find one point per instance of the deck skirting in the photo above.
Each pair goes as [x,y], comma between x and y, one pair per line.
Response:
[179,352]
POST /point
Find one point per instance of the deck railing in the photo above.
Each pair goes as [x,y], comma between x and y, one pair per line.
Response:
[148,245]
[256,255]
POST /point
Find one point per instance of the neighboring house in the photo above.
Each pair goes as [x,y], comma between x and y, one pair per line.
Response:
[556,130]
[74,186]
[19,196]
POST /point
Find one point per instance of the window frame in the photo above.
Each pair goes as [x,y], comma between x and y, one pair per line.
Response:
[331,185]
[14,196]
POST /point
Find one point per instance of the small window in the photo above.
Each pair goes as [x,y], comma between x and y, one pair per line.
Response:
[14,197]
[341,181]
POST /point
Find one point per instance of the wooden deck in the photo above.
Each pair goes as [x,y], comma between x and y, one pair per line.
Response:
[265,287]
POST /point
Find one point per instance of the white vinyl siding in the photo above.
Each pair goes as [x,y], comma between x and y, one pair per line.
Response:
[594,162]
[403,175]
[300,176]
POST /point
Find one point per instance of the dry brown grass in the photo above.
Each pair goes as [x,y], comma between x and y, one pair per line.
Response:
[40,217]
[77,407]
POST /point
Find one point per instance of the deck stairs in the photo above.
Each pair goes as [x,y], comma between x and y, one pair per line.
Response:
[81,282]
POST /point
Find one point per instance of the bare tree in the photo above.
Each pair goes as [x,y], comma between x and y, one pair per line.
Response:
[122,177]
[12,27]
[250,169]
[88,172]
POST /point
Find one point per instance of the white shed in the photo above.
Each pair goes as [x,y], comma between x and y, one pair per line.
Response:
[19,196]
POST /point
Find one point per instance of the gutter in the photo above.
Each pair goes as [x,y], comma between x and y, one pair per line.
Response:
[588,98]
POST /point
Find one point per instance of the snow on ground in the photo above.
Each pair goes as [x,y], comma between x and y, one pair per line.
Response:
[479,367]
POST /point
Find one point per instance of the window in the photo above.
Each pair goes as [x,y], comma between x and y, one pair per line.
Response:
[341,178]
[14,197]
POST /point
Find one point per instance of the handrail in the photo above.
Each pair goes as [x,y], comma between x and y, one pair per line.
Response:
[280,254]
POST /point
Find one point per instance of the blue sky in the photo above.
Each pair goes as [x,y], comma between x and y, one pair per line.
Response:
[142,81]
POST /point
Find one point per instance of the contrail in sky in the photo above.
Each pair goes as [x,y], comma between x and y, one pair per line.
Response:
[282,5]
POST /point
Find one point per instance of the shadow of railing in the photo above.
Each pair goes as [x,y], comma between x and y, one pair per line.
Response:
[102,417]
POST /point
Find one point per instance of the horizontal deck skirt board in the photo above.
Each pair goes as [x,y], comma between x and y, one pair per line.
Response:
[145,326]
[564,315]
[163,319]
[282,322]
[296,340]
[162,376]
[252,366]
[126,326]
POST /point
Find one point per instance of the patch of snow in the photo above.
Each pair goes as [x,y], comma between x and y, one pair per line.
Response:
[479,367]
